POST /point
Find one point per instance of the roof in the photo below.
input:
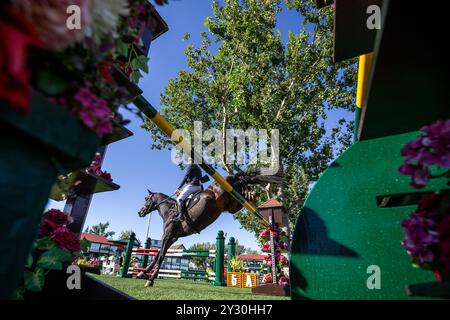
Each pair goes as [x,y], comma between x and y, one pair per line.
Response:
[95,238]
[177,246]
[259,257]
[272,203]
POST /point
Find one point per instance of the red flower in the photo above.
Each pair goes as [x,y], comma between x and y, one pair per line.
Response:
[65,239]
[268,278]
[266,247]
[105,70]
[17,36]
[58,217]
[53,220]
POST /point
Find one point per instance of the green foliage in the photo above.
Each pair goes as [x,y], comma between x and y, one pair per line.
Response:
[200,262]
[53,259]
[126,235]
[255,80]
[100,229]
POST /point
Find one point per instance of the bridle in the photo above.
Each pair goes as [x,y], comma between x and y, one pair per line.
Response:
[156,206]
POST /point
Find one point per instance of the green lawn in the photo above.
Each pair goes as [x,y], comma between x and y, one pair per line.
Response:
[172,289]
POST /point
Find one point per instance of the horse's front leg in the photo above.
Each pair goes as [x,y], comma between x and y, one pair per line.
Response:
[166,244]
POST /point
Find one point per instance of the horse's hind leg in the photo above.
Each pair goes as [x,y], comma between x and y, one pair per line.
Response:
[149,268]
[167,242]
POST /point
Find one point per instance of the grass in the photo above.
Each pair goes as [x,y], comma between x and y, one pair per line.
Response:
[173,289]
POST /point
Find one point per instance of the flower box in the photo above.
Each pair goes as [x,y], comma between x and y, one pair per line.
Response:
[34,148]
[55,288]
[63,137]
[84,183]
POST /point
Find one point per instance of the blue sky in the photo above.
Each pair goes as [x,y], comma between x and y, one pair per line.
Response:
[133,165]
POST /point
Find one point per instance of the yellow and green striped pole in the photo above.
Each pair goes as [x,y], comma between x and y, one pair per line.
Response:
[168,129]
[364,72]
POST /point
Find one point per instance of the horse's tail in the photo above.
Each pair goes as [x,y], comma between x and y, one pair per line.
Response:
[257,178]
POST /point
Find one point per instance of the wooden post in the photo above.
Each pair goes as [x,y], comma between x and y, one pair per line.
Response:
[220,244]
[231,252]
[127,258]
[77,208]
[144,261]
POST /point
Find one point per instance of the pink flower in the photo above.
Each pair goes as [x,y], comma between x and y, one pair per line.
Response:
[267,260]
[93,111]
[95,168]
[282,260]
[421,237]
[265,233]
[431,148]
[283,281]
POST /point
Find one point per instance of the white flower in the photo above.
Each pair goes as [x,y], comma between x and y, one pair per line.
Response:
[106,17]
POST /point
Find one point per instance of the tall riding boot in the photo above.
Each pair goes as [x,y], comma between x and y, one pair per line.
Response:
[181,211]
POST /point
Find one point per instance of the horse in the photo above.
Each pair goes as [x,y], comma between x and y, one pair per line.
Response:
[204,208]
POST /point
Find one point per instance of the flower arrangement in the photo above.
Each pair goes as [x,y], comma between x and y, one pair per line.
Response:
[237,265]
[55,246]
[280,259]
[427,230]
[39,51]
[429,149]
[95,169]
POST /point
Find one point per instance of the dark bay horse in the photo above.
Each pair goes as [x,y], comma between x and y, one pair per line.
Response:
[206,209]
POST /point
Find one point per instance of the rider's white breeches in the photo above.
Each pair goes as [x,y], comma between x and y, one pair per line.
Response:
[187,191]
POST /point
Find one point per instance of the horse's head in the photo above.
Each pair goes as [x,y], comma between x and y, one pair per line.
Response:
[149,205]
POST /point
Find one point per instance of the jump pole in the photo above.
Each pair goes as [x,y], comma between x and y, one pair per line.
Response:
[168,130]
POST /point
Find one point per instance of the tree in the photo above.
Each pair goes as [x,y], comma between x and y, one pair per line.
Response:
[201,262]
[100,229]
[243,76]
[126,235]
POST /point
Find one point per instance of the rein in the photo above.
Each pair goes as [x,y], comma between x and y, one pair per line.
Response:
[160,203]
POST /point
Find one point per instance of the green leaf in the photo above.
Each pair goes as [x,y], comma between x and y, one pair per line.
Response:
[140,63]
[34,281]
[45,244]
[50,83]
[30,260]
[122,48]
[18,294]
[52,260]
[135,76]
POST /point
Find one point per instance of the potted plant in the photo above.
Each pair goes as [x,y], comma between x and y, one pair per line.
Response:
[59,96]
[427,230]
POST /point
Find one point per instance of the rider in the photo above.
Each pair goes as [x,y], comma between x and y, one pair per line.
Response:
[192,179]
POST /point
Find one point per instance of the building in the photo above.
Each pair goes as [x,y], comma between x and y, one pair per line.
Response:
[100,245]
[175,263]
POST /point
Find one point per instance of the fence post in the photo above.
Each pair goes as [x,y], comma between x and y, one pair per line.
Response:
[231,252]
[220,248]
[144,261]
[127,258]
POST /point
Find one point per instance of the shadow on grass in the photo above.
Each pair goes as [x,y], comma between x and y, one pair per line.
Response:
[171,289]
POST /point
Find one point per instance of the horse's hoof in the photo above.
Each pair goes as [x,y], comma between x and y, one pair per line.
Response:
[149,284]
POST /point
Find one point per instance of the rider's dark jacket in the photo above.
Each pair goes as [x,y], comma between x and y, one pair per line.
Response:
[193,176]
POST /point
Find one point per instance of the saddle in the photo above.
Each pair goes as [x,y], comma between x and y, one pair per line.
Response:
[193,199]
